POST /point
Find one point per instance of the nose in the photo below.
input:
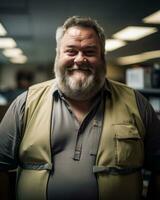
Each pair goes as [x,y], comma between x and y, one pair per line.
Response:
[80,58]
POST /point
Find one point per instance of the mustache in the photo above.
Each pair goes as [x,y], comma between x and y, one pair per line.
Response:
[85,67]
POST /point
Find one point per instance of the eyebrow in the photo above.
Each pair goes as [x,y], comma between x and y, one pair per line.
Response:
[85,47]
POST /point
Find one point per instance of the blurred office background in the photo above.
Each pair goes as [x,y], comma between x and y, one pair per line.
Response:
[27,37]
[27,43]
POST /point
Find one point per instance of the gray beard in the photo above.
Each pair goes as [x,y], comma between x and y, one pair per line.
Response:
[79,90]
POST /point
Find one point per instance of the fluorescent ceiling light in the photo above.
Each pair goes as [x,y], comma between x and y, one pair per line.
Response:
[138,58]
[19,60]
[3,31]
[153,18]
[151,54]
[127,60]
[7,43]
[12,52]
[132,33]
[112,44]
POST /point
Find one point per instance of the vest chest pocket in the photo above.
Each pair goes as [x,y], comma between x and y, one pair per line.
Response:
[128,146]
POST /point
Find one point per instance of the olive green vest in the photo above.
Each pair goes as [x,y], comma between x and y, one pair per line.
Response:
[120,154]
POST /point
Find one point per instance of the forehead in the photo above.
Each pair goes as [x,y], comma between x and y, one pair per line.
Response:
[82,35]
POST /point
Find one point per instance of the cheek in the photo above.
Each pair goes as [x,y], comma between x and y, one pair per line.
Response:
[65,60]
[95,61]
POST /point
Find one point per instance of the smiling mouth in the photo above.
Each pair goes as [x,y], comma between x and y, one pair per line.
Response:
[80,71]
[88,70]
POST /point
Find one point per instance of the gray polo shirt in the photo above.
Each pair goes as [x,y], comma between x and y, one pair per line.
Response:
[74,145]
[74,148]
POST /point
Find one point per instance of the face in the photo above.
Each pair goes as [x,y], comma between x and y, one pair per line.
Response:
[79,67]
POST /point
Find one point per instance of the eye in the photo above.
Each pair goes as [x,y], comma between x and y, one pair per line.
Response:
[71,52]
[90,52]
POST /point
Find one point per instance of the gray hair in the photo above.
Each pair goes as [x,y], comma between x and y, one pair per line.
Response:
[85,22]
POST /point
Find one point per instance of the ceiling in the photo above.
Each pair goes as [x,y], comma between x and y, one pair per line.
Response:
[32,23]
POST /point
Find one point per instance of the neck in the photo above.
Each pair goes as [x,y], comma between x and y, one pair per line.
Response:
[80,108]
[82,105]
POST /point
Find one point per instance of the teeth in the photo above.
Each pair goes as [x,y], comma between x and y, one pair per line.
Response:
[79,69]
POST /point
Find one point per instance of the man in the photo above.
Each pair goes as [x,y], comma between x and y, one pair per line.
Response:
[81,136]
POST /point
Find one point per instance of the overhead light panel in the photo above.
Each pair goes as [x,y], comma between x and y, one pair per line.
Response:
[7,43]
[153,18]
[138,58]
[112,44]
[128,60]
[132,33]
[3,31]
[151,54]
[12,52]
[19,60]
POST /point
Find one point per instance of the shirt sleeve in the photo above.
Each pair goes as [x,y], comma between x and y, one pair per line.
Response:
[10,133]
[152,135]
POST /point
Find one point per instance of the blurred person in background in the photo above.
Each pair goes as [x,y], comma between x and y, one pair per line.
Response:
[81,135]
[23,78]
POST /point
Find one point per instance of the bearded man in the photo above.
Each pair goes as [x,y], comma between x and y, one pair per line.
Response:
[81,135]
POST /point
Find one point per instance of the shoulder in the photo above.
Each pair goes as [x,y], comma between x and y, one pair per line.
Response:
[38,89]
[146,110]
[141,100]
[118,85]
[122,90]
[45,84]
[21,98]
[17,106]
[143,104]
[15,112]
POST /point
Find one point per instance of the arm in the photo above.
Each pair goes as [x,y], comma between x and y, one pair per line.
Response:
[152,157]
[10,137]
[151,146]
